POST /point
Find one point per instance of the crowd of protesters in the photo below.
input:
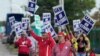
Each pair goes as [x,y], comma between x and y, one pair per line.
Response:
[64,44]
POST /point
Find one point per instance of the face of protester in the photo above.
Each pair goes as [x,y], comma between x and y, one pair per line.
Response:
[44,35]
[60,38]
[56,39]
[24,35]
[81,38]
[75,35]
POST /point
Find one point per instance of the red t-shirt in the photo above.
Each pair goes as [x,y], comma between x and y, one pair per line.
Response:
[61,45]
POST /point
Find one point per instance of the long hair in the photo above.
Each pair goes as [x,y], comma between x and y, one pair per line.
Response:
[83,38]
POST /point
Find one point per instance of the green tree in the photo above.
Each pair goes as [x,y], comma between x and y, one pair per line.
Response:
[96,16]
[73,8]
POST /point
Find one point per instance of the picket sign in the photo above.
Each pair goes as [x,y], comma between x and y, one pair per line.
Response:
[46,18]
[12,22]
[60,15]
[32,6]
[25,23]
[76,24]
[18,28]
[48,28]
[87,24]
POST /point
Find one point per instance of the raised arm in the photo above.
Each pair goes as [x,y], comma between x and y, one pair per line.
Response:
[38,38]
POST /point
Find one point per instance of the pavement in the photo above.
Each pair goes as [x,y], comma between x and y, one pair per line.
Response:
[4,51]
[97,54]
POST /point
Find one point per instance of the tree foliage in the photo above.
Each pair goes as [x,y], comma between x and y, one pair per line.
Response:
[96,16]
[73,8]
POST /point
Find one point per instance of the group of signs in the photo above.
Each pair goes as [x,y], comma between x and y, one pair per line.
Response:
[60,18]
[18,27]
[80,26]
[84,26]
[47,27]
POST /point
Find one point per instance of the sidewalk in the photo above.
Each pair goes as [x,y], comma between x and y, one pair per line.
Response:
[97,54]
[4,51]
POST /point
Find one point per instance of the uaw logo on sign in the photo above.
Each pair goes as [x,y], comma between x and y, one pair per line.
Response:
[49,28]
[31,6]
[87,24]
[18,28]
[46,18]
[76,25]
[12,21]
[25,23]
[60,15]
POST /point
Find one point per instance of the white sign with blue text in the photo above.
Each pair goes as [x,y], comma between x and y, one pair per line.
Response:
[18,28]
[49,28]
[25,23]
[76,24]
[46,18]
[31,6]
[87,24]
[60,15]
[12,21]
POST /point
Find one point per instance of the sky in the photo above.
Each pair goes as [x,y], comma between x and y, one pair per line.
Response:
[98,3]
[5,7]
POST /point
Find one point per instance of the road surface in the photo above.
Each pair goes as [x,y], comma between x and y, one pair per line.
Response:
[4,51]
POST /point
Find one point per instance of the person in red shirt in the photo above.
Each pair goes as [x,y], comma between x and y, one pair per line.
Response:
[45,43]
[23,44]
[63,47]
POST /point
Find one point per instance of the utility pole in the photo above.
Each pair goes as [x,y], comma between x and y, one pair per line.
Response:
[10,6]
[61,2]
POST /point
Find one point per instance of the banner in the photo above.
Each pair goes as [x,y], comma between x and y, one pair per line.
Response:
[87,24]
[46,18]
[49,28]
[25,23]
[18,28]
[31,6]
[60,15]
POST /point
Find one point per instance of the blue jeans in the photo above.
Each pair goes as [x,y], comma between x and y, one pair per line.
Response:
[81,54]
